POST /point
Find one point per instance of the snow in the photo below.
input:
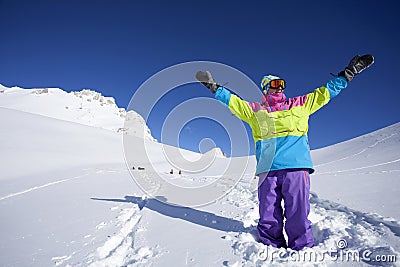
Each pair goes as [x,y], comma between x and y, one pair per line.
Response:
[370,163]
[85,107]
[67,197]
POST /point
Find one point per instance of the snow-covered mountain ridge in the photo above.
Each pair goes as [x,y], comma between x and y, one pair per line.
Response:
[86,107]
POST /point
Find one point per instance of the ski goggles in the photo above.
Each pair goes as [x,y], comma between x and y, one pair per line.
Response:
[276,84]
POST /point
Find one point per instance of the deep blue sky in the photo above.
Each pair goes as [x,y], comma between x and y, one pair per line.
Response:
[114,46]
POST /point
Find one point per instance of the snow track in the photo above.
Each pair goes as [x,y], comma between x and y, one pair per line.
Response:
[39,187]
[119,250]
[361,168]
[88,172]
[378,142]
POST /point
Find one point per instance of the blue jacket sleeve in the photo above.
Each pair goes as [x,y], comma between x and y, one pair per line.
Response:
[336,85]
[223,95]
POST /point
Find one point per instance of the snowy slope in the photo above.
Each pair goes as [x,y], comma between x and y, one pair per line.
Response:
[85,107]
[67,198]
[362,173]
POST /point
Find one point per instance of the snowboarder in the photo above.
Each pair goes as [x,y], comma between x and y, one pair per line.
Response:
[279,127]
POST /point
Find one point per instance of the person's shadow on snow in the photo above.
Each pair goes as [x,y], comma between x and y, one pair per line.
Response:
[203,218]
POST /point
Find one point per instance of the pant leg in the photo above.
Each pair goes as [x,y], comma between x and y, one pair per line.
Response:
[270,225]
[296,192]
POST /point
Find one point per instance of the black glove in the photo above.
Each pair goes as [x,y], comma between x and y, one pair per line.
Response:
[356,65]
[207,80]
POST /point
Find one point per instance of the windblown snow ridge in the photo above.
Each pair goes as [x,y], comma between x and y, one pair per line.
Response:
[86,107]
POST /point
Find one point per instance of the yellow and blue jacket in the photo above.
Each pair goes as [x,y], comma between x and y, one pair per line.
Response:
[280,125]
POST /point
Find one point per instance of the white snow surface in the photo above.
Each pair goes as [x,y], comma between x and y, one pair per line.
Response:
[68,199]
[86,107]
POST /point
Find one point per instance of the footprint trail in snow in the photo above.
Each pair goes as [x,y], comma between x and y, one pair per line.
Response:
[342,235]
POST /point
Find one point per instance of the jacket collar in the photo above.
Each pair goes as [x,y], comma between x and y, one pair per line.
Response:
[273,100]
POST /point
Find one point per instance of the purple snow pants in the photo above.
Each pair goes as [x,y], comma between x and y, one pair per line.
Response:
[293,186]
